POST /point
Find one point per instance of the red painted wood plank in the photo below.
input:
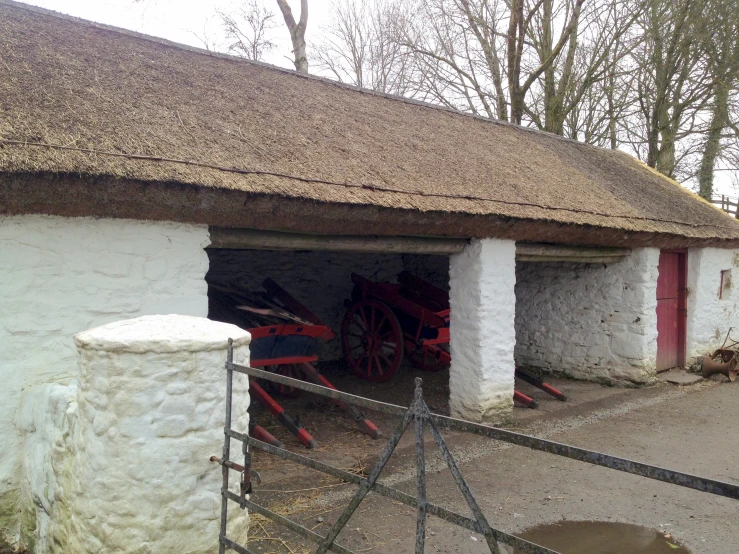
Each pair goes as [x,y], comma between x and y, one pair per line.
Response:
[671,299]
[668,346]
[669,275]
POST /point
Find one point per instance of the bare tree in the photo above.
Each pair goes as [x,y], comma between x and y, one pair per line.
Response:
[728,162]
[358,46]
[205,38]
[519,27]
[248,30]
[455,45]
[600,40]
[671,82]
[722,48]
[297,33]
[594,108]
[657,78]
[527,62]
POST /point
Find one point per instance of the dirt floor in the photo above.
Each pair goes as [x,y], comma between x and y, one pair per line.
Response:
[684,428]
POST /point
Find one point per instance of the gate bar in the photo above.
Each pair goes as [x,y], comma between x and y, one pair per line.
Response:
[394,494]
[687,480]
[422,502]
[295,527]
[463,487]
[226,447]
[364,488]
[234,545]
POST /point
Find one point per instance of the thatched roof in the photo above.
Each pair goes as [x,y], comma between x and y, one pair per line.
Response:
[139,127]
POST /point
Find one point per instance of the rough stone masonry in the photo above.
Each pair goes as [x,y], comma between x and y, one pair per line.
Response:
[590,321]
[60,276]
[483,305]
[120,462]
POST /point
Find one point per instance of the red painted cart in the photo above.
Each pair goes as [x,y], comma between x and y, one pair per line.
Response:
[387,321]
[289,349]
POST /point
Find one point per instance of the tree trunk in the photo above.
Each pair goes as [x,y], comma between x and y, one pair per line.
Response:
[545,50]
[719,120]
[297,33]
[487,43]
[610,91]
[301,57]
[515,46]
[555,92]
[665,163]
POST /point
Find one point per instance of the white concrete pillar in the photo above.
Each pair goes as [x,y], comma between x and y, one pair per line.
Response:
[483,305]
[151,408]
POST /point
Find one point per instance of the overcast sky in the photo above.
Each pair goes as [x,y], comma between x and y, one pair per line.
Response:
[191,21]
[185,21]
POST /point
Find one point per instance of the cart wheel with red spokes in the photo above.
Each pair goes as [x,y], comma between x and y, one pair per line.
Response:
[372,340]
[428,360]
[288,370]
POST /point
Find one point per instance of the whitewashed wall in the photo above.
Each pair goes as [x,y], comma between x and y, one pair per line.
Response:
[589,321]
[709,317]
[121,460]
[434,269]
[59,276]
[320,280]
[481,295]
[46,418]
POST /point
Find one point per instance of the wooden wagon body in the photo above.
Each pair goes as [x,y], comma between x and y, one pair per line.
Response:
[385,322]
[288,343]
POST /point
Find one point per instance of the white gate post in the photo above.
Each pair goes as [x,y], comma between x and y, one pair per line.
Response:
[151,406]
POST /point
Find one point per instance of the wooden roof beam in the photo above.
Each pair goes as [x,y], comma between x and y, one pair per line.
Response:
[253,239]
[539,252]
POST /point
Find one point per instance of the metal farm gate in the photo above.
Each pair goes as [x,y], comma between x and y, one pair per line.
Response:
[418,414]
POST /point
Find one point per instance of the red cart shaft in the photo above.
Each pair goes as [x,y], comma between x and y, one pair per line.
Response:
[260,433]
[538,383]
[276,410]
[355,413]
[523,399]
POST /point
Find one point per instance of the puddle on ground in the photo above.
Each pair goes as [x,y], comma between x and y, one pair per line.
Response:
[601,537]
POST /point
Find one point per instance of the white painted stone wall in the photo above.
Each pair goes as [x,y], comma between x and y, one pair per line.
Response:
[709,317]
[121,462]
[590,321]
[482,280]
[320,280]
[46,418]
[434,269]
[59,276]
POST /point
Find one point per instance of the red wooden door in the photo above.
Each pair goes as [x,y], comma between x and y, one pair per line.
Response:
[671,309]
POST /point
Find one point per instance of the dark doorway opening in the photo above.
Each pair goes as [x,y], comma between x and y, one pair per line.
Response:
[671,308]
